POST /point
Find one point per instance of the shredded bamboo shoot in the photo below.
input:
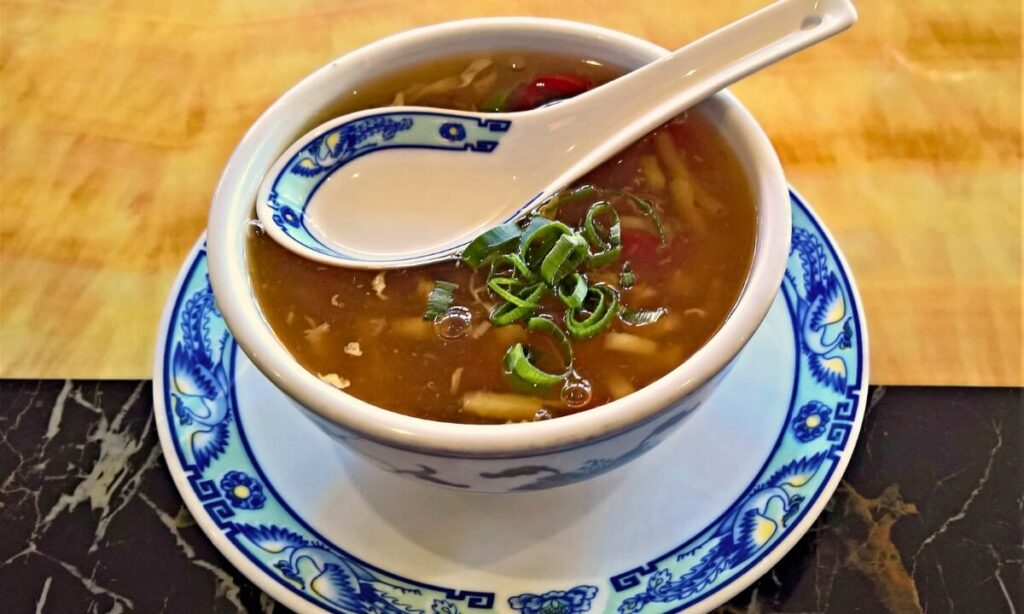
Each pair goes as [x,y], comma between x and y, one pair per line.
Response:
[501,406]
[413,328]
[619,386]
[630,344]
[682,197]
[453,388]
[652,172]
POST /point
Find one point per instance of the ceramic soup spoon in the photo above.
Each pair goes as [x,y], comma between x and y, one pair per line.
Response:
[404,186]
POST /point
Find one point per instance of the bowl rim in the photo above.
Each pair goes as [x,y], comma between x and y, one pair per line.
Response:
[232,290]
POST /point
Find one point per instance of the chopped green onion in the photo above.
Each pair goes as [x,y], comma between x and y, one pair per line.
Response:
[577,193]
[502,286]
[538,239]
[534,224]
[565,256]
[573,290]
[510,265]
[643,206]
[508,312]
[641,317]
[609,240]
[605,257]
[647,210]
[526,376]
[599,307]
[496,103]
[498,239]
[551,207]
[626,278]
[440,299]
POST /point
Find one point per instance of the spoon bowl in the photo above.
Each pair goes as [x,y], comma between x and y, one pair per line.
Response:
[383,188]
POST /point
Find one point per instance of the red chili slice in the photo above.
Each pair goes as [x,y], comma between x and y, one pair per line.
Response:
[639,246]
[545,89]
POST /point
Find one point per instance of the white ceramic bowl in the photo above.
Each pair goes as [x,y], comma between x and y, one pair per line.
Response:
[489,458]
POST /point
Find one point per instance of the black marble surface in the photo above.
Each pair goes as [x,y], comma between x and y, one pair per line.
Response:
[929,518]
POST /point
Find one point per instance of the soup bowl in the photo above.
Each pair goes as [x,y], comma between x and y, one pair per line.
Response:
[506,457]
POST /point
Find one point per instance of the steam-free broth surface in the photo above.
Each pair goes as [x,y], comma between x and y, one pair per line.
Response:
[365,332]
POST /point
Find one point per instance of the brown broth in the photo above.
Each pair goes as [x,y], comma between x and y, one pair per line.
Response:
[364,330]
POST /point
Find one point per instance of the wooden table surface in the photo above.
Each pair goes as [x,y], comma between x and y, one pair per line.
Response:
[116,118]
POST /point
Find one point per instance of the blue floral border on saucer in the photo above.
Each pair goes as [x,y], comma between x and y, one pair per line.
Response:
[820,429]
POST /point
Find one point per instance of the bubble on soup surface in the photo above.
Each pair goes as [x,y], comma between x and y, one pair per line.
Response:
[454,323]
[254,228]
[542,414]
[576,392]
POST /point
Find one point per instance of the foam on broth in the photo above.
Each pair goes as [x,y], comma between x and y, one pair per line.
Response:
[364,332]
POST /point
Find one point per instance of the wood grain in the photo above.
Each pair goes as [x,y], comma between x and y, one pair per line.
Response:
[116,118]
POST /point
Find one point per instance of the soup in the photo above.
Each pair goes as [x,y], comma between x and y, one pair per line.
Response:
[615,282]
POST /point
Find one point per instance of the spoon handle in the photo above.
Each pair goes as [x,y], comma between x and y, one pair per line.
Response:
[676,82]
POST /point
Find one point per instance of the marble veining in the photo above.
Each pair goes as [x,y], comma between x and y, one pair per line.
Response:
[930,517]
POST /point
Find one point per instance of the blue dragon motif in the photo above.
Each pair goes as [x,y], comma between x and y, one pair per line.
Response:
[820,306]
[550,476]
[339,580]
[338,145]
[199,379]
[749,528]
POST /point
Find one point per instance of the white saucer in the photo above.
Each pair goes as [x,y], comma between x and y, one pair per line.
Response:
[685,526]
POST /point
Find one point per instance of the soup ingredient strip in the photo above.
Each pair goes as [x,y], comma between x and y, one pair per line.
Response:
[440,299]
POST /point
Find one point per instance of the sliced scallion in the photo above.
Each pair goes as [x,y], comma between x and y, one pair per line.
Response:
[520,370]
[496,240]
[508,312]
[600,305]
[511,265]
[496,103]
[641,317]
[627,278]
[608,241]
[440,299]
[564,257]
[538,239]
[647,210]
[572,290]
[550,208]
[503,287]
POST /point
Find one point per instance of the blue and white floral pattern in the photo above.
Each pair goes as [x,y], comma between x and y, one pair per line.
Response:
[811,422]
[572,601]
[297,182]
[242,491]
[208,440]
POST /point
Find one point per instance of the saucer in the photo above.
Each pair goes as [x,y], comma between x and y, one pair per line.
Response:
[683,527]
